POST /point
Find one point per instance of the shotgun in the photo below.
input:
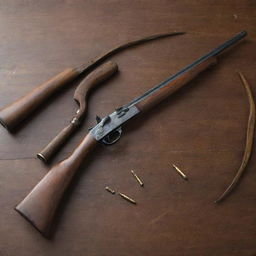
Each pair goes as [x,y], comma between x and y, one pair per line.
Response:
[40,205]
[13,114]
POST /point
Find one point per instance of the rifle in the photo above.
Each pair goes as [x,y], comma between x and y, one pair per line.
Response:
[13,114]
[40,205]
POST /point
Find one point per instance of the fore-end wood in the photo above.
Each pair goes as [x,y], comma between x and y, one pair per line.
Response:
[95,78]
[16,112]
[174,85]
[40,205]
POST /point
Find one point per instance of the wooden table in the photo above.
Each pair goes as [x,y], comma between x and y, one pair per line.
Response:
[202,129]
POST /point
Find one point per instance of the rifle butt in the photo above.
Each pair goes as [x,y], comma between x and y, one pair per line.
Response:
[40,206]
[13,114]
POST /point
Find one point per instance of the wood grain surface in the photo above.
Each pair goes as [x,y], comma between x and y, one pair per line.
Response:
[201,129]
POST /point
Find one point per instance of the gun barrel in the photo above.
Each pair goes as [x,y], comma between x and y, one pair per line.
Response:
[227,44]
[197,62]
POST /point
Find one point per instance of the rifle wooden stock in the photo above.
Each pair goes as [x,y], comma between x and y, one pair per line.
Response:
[40,205]
[13,114]
[81,94]
[174,85]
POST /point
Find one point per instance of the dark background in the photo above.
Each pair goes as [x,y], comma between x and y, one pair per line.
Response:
[202,128]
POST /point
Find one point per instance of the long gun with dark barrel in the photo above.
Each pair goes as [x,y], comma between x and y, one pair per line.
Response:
[40,205]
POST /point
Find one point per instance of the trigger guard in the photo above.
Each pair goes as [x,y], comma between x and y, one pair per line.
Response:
[112,137]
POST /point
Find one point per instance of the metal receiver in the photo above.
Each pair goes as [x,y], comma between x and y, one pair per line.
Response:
[108,130]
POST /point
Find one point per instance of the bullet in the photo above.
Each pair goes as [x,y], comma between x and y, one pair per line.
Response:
[127,198]
[110,190]
[137,178]
[180,172]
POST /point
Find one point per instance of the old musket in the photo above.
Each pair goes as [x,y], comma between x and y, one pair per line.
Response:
[40,205]
[13,114]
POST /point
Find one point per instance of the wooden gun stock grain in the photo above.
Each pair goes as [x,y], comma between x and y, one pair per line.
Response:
[13,114]
[249,141]
[39,207]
